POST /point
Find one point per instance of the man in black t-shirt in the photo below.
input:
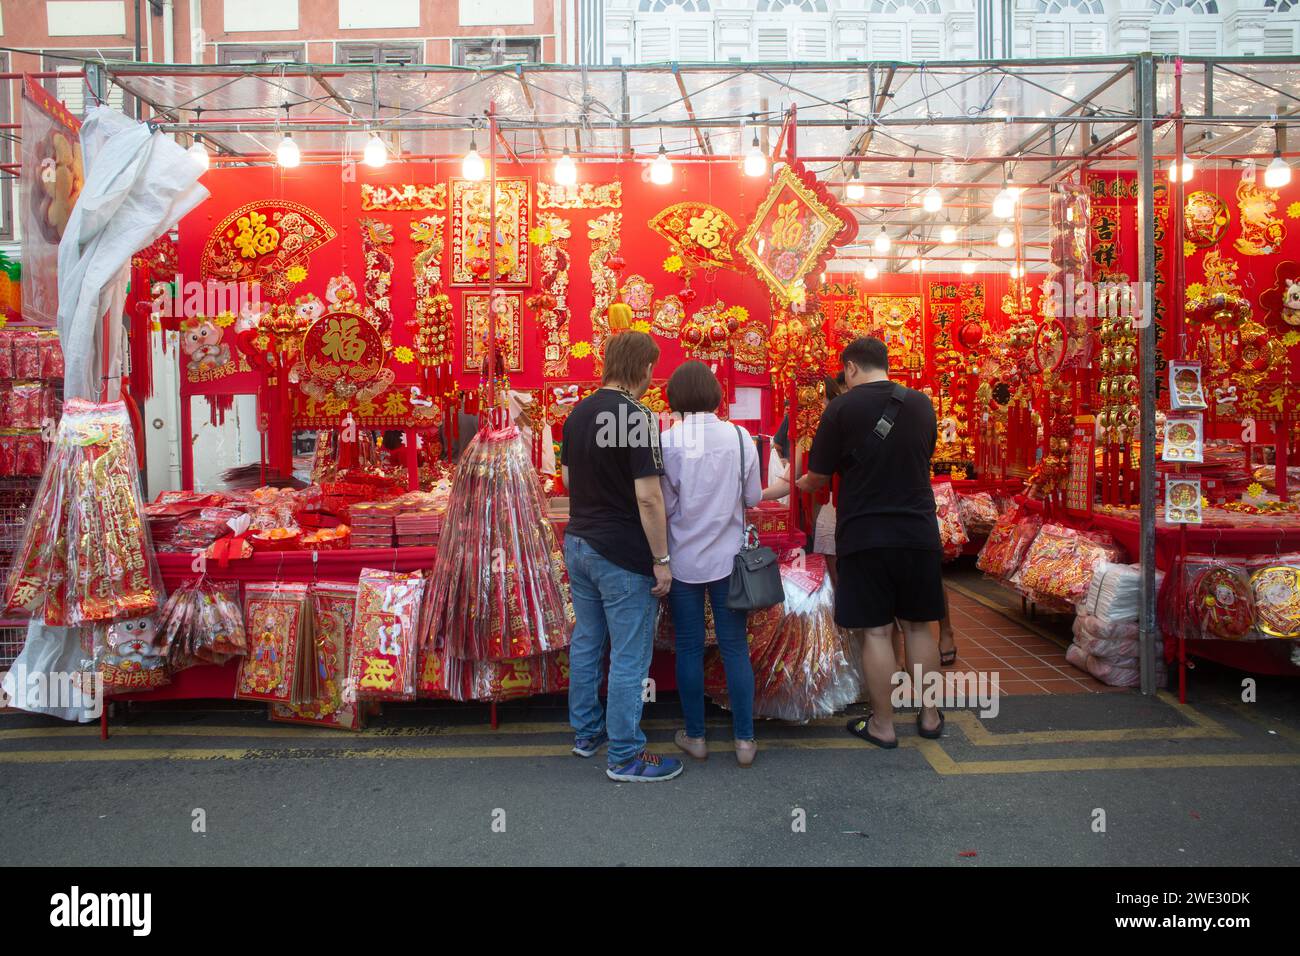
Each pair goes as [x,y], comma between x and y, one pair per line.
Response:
[879,437]
[616,550]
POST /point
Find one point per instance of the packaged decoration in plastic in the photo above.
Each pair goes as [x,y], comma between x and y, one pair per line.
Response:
[1058,568]
[979,512]
[203,623]
[1220,601]
[86,554]
[332,608]
[952,533]
[382,656]
[276,622]
[130,655]
[805,667]
[497,590]
[1276,589]
[1008,543]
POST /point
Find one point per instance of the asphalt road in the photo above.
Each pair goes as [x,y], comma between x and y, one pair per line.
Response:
[1215,784]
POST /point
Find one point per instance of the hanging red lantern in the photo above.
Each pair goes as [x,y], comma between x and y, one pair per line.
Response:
[615,263]
[687,295]
[970,335]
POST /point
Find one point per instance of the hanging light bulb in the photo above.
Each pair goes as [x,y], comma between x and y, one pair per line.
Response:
[968,267]
[661,170]
[869,271]
[932,201]
[286,154]
[854,190]
[199,153]
[1277,173]
[918,265]
[472,165]
[376,153]
[566,170]
[1189,169]
[882,241]
[1016,271]
[1005,237]
[1004,204]
[948,234]
[755,160]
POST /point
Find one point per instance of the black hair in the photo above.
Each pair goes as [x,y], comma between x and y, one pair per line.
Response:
[867,353]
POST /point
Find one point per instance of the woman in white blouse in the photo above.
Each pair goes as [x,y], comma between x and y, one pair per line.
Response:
[710,476]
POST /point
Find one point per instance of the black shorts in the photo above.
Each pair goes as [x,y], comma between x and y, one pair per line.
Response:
[880,584]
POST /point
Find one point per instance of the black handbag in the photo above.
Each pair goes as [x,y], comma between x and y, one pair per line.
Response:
[755,573]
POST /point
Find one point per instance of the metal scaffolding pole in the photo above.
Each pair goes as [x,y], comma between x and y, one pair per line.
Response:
[1145,108]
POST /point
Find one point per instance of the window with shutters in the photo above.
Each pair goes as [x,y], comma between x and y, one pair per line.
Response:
[392,54]
[72,90]
[885,41]
[687,41]
[905,30]
[1279,41]
[1069,28]
[1193,27]
[251,53]
[813,43]
[496,51]
[772,43]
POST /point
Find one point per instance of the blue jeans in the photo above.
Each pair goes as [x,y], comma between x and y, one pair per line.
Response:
[687,603]
[613,608]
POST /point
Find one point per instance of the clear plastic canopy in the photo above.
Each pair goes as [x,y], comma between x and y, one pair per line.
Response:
[895,127]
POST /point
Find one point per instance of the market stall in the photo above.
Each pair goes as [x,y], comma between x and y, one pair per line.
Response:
[414,298]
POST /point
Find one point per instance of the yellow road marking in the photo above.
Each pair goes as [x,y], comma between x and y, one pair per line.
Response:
[934,754]
[1202,727]
[109,754]
[945,765]
[1249,712]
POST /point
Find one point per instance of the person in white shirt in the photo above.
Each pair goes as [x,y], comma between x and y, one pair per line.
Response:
[711,475]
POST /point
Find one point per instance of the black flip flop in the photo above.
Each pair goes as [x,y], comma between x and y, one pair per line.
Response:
[858,728]
[930,734]
[948,658]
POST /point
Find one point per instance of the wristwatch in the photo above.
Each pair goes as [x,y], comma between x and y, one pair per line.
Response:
[663,561]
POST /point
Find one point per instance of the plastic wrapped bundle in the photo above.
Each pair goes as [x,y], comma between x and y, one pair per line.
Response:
[1220,601]
[498,590]
[332,607]
[1008,543]
[1275,586]
[952,532]
[1058,568]
[1112,673]
[1115,592]
[383,650]
[86,554]
[803,669]
[202,623]
[979,512]
[464,680]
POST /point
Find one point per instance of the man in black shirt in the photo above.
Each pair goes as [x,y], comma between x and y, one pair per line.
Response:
[616,550]
[879,438]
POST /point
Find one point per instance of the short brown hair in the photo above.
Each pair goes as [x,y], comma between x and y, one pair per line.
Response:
[626,356]
[694,388]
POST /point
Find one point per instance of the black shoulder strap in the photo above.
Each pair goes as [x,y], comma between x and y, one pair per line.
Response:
[892,408]
[883,427]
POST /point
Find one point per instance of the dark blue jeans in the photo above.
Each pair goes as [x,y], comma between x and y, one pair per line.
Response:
[687,603]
